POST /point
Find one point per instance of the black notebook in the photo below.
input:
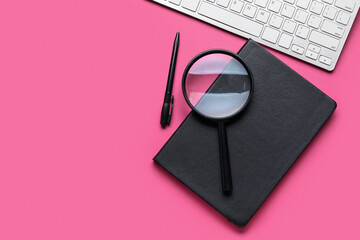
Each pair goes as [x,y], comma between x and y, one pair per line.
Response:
[285,113]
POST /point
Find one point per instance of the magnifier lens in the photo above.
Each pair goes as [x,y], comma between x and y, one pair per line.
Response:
[218,86]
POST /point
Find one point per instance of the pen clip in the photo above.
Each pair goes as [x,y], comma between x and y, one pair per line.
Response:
[171,110]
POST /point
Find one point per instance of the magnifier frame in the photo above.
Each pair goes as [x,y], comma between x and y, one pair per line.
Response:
[224,150]
[217,51]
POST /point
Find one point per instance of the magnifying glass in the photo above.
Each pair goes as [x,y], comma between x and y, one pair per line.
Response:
[218,85]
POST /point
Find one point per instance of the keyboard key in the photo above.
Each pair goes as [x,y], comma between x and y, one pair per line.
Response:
[343,18]
[314,48]
[297,49]
[230,19]
[328,1]
[263,16]
[289,26]
[288,11]
[223,3]
[261,3]
[249,10]
[177,2]
[274,6]
[190,4]
[276,21]
[325,60]
[324,40]
[236,6]
[285,40]
[330,12]
[311,54]
[290,1]
[347,5]
[332,28]
[316,7]
[270,35]
[314,21]
[211,1]
[301,16]
[302,32]
[303,3]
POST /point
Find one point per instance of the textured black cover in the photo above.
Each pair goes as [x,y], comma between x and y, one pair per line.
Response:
[285,113]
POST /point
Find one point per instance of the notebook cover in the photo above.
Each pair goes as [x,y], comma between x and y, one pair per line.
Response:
[285,113]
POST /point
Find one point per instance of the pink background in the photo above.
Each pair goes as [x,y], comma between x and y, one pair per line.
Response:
[81,88]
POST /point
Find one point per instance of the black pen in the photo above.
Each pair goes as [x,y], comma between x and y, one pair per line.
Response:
[167,107]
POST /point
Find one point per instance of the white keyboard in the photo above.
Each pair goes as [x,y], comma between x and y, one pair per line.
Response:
[314,31]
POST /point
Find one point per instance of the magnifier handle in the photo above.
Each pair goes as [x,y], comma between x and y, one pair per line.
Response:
[225,160]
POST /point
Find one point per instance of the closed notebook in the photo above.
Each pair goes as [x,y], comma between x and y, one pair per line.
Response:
[285,113]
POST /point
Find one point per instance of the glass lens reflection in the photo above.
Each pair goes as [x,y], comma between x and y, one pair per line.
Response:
[218,85]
